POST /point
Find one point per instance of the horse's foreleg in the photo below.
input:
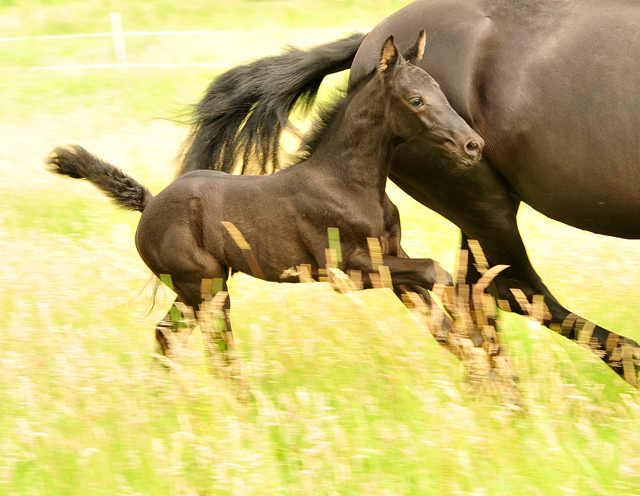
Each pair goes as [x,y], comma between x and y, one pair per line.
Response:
[441,320]
[421,272]
[474,343]
[520,284]
[416,275]
[481,204]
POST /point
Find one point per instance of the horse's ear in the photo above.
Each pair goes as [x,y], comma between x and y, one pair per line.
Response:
[389,58]
[415,52]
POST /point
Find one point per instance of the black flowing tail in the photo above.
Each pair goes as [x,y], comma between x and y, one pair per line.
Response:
[245,109]
[74,161]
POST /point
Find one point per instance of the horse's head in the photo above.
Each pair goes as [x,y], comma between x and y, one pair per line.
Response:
[418,111]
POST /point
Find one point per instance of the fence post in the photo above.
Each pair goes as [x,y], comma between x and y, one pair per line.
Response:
[118,41]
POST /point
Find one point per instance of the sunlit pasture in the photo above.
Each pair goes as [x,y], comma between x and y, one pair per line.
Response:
[349,394]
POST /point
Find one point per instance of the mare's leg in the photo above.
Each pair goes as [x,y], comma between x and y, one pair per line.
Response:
[479,202]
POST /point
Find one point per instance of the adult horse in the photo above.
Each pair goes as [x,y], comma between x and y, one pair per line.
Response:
[551,86]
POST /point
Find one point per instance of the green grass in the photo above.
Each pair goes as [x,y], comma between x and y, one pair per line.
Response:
[38,17]
[350,395]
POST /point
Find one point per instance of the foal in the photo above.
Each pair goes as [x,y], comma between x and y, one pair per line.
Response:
[284,217]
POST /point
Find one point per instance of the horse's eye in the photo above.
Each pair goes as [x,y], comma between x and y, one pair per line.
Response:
[415,102]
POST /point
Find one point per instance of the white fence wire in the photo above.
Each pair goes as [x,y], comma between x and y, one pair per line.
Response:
[119,36]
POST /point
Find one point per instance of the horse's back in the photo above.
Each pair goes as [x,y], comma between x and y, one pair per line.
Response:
[552,88]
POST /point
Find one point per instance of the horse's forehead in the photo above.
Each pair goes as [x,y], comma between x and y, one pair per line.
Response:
[412,77]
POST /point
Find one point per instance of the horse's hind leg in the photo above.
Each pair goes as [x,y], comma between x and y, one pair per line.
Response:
[193,279]
[171,326]
[213,317]
[215,325]
[164,333]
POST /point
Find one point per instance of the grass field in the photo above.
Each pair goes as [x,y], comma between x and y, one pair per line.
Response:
[350,394]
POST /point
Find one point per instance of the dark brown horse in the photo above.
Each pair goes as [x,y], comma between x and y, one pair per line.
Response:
[552,87]
[186,230]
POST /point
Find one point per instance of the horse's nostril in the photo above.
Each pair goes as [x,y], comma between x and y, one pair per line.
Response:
[472,147]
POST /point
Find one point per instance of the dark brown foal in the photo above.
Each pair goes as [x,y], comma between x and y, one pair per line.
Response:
[184,231]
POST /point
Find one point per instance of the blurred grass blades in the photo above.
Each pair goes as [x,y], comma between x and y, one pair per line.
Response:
[352,397]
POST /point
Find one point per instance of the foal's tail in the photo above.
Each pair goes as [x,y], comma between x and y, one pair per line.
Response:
[245,109]
[74,161]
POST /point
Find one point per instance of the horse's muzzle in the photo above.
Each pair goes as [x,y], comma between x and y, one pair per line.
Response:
[471,152]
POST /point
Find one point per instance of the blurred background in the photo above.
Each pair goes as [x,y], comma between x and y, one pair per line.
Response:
[350,395]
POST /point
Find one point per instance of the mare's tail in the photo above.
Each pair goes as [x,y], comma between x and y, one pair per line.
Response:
[74,161]
[245,109]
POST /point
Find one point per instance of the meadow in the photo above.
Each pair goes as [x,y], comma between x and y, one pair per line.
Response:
[349,393]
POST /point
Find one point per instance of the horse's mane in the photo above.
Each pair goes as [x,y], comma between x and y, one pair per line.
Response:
[328,113]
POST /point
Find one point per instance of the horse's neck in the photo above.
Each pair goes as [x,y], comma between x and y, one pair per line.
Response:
[359,146]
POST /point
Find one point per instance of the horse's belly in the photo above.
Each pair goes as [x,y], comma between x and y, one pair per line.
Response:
[601,197]
[561,118]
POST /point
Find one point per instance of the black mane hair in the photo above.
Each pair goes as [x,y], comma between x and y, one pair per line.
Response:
[327,114]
